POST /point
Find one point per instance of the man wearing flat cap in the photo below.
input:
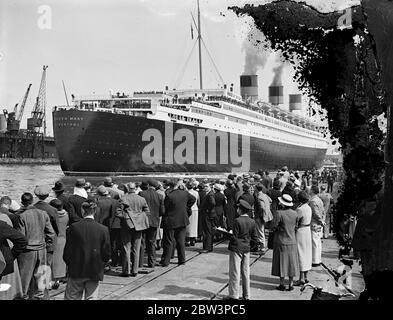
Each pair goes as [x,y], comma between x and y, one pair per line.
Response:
[42,193]
[113,190]
[244,231]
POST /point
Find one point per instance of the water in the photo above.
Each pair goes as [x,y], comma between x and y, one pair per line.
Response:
[17,179]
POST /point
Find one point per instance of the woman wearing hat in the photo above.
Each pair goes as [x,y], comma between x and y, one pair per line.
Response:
[285,255]
[303,237]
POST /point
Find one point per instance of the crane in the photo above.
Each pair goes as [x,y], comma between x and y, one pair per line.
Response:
[14,118]
[22,106]
[37,120]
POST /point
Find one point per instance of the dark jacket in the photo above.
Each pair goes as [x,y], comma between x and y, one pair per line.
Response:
[106,208]
[207,205]
[19,241]
[267,182]
[155,201]
[75,213]
[219,199]
[54,220]
[15,219]
[244,230]
[87,249]
[66,204]
[178,205]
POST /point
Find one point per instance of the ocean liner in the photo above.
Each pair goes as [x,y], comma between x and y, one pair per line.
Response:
[186,131]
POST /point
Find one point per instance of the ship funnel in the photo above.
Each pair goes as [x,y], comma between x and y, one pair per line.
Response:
[276,95]
[295,102]
[249,87]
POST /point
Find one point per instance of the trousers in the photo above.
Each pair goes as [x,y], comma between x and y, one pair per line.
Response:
[260,228]
[207,232]
[148,242]
[28,263]
[131,245]
[239,268]
[77,287]
[316,246]
[171,237]
[116,245]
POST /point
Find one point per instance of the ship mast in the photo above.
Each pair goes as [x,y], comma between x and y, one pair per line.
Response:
[200,48]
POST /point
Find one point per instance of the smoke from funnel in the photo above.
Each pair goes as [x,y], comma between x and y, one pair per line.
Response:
[255,56]
[277,81]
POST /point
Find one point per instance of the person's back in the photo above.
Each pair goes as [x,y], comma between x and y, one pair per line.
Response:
[34,226]
[287,221]
[155,201]
[178,205]
[135,202]
[87,249]
[243,231]
[326,199]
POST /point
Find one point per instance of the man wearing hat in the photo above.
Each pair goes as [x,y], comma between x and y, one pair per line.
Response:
[134,220]
[219,199]
[79,196]
[113,190]
[244,231]
[155,201]
[86,251]
[327,200]
[58,189]
[42,192]
[208,216]
[230,206]
[247,196]
[106,206]
[178,204]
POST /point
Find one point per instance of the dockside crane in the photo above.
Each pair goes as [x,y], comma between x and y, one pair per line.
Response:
[37,120]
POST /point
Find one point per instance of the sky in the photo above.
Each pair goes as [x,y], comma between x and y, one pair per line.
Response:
[124,46]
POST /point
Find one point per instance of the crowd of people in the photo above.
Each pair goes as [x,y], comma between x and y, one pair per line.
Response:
[74,238]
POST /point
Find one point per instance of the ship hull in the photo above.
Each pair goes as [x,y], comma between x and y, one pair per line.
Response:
[103,143]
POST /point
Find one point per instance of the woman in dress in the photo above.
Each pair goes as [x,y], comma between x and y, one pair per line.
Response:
[192,228]
[303,238]
[58,264]
[285,255]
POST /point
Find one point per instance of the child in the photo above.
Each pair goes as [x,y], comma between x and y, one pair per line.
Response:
[244,230]
[58,264]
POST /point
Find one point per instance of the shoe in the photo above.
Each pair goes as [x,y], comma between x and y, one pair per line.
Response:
[306,281]
[181,263]
[133,274]
[316,265]
[164,264]
[187,244]
[299,283]
[124,275]
[290,288]
[204,251]
[281,287]
[55,285]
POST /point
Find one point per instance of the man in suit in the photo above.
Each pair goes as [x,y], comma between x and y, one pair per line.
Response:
[42,192]
[178,205]
[79,196]
[86,251]
[134,220]
[208,217]
[155,202]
